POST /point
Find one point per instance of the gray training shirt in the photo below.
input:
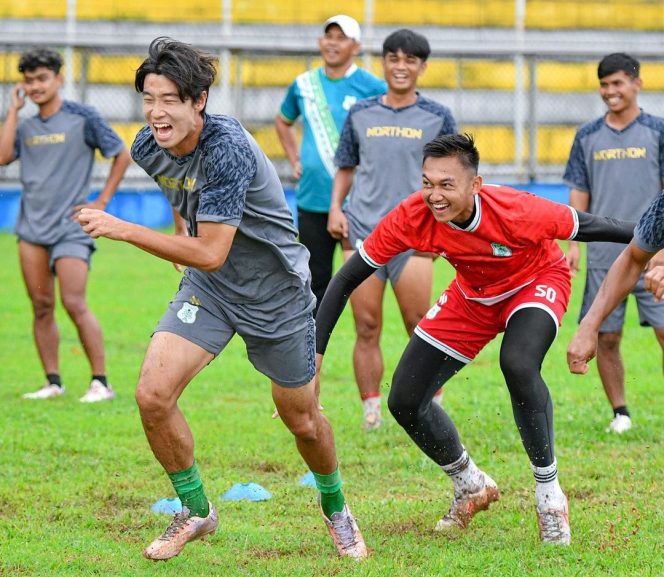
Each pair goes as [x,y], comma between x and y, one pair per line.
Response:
[386,145]
[621,170]
[228,179]
[57,155]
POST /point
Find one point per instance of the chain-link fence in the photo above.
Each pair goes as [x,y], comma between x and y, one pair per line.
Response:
[522,79]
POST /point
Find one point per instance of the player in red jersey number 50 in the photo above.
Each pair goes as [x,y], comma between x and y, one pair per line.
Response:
[511,277]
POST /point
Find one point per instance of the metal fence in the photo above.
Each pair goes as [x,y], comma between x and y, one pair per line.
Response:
[521,91]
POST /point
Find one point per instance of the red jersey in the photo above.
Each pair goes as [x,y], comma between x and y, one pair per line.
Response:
[509,241]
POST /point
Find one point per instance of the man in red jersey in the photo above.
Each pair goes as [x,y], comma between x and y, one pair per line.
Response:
[511,277]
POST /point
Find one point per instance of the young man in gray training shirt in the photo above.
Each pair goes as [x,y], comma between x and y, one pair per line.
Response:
[615,169]
[246,274]
[56,148]
[379,160]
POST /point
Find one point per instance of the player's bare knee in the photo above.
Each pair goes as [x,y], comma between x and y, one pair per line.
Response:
[367,330]
[609,342]
[43,306]
[152,403]
[76,307]
[304,426]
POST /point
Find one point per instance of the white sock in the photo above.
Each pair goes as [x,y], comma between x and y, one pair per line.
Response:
[371,405]
[548,493]
[465,475]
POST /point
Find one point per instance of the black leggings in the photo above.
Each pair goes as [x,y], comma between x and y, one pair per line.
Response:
[423,369]
[313,234]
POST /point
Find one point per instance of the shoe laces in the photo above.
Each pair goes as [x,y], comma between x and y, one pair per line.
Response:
[552,524]
[179,521]
[343,527]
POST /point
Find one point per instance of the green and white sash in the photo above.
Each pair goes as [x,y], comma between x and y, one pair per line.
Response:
[317,111]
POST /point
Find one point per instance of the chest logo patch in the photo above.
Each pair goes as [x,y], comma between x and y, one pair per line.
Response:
[187,314]
[500,250]
[349,100]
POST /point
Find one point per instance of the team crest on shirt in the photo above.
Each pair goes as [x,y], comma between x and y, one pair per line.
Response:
[500,249]
[187,314]
[349,100]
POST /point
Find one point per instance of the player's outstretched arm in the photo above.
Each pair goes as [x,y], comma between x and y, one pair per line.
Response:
[207,251]
[619,281]
[594,228]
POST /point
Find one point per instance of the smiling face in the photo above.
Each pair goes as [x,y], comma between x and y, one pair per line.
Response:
[337,49]
[402,71]
[176,125]
[449,188]
[41,85]
[619,92]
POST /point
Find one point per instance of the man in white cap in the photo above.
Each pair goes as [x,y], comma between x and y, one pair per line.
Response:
[322,97]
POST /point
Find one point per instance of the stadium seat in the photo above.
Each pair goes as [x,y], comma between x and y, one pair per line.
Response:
[604,14]
[540,14]
[8,64]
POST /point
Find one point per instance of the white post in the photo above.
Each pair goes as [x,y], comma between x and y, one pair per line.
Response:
[70,37]
[225,102]
[368,32]
[519,87]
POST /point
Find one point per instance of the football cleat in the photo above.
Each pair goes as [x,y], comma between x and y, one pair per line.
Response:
[554,525]
[466,505]
[372,420]
[98,392]
[346,534]
[183,529]
[48,391]
[620,424]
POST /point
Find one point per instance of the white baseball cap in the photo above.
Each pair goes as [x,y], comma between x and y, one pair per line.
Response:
[348,25]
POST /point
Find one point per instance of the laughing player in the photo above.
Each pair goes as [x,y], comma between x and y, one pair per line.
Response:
[511,277]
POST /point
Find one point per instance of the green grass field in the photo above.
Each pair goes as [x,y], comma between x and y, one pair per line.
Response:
[77,481]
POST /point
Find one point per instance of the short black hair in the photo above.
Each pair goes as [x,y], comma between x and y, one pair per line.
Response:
[617,62]
[409,42]
[461,146]
[40,58]
[190,69]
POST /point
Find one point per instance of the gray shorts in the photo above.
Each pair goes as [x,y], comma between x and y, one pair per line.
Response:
[651,313]
[288,358]
[393,269]
[69,248]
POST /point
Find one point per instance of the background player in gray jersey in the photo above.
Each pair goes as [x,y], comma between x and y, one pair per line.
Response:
[322,98]
[247,274]
[616,168]
[57,149]
[379,162]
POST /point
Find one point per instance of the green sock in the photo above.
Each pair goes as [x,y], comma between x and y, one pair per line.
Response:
[189,488]
[331,498]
